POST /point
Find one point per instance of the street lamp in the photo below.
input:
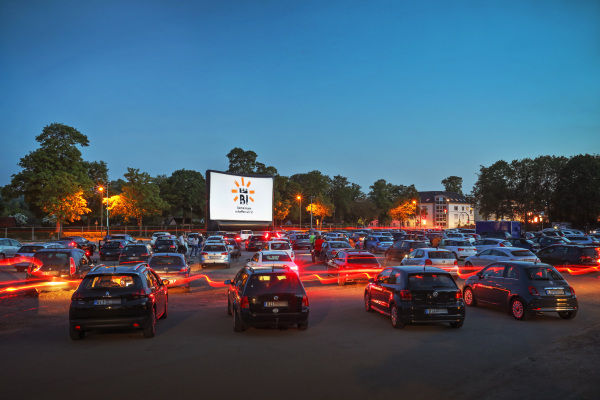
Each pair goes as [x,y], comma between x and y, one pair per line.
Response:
[311,211]
[415,204]
[101,189]
[299,198]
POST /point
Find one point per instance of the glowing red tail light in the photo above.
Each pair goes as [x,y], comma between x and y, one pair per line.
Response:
[428,262]
[244,303]
[183,269]
[203,254]
[405,295]
[138,294]
[333,252]
[73,244]
[121,245]
[501,245]
[455,262]
[172,246]
[72,267]
[458,295]
[459,249]
[76,296]
[533,291]
[224,254]
[144,254]
[572,290]
[305,301]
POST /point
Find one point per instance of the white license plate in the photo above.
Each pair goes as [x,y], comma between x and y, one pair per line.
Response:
[555,291]
[134,258]
[214,257]
[107,302]
[276,303]
[436,311]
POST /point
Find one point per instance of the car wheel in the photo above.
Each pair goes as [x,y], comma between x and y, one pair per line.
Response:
[201,266]
[395,317]
[469,297]
[150,328]
[238,324]
[517,309]
[368,307]
[567,314]
[229,306]
[341,281]
[468,264]
[303,326]
[457,324]
[75,334]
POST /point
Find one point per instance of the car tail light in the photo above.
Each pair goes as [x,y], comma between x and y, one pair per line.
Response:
[76,296]
[533,291]
[244,303]
[500,244]
[72,267]
[203,254]
[172,246]
[458,295]
[405,295]
[428,262]
[224,254]
[333,252]
[121,245]
[183,269]
[144,254]
[455,262]
[88,253]
[459,249]
[139,294]
[305,300]
[73,244]
[572,290]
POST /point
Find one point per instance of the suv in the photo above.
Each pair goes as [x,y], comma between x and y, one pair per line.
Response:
[58,264]
[118,297]
[111,249]
[401,248]
[352,266]
[267,297]
[255,242]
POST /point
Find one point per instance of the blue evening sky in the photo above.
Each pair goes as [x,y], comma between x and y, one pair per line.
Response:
[411,91]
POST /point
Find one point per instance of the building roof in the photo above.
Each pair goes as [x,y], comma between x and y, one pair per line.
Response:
[429,197]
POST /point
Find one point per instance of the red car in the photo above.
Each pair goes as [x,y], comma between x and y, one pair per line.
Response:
[350,265]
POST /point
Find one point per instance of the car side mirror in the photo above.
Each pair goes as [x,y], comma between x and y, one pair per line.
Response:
[228,282]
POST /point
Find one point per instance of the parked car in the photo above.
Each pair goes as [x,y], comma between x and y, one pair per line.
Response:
[156,235]
[523,288]
[545,241]
[300,241]
[27,251]
[255,242]
[245,235]
[378,244]
[410,294]
[489,243]
[582,239]
[280,245]
[130,297]
[352,266]
[524,244]
[570,255]
[460,248]
[60,265]
[8,248]
[402,248]
[172,267]
[215,253]
[112,249]
[460,237]
[488,256]
[271,258]
[235,250]
[267,297]
[330,248]
[163,245]
[135,253]
[125,237]
[433,257]
[86,245]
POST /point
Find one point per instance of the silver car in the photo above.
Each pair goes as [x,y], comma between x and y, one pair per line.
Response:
[215,253]
[495,254]
[460,249]
[28,250]
[331,248]
[8,248]
[433,257]
[490,243]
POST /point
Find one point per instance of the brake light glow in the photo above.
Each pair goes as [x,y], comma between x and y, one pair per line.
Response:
[224,254]
[501,244]
[458,295]
[72,267]
[305,300]
[455,262]
[244,303]
[144,254]
[73,244]
[428,262]
[572,290]
[533,291]
[405,295]
[204,253]
[138,294]
[460,249]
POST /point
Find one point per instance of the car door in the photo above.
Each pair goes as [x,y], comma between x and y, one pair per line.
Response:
[417,258]
[337,262]
[159,290]
[487,283]
[482,258]
[379,289]
[255,261]
[548,255]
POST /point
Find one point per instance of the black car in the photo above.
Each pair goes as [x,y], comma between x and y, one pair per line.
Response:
[112,249]
[522,288]
[173,267]
[86,245]
[570,255]
[524,244]
[351,265]
[130,296]
[165,245]
[267,297]
[255,242]
[410,294]
[401,248]
[545,241]
[135,253]
[125,237]
[58,265]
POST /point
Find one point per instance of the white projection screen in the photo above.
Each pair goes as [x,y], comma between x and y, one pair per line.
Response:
[239,201]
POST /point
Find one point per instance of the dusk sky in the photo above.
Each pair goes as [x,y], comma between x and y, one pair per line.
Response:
[410,91]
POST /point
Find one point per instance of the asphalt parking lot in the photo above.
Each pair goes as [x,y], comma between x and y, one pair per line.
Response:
[345,353]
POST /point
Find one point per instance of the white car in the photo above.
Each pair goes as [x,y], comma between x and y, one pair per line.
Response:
[8,248]
[215,253]
[156,235]
[460,236]
[460,248]
[245,235]
[280,245]
[433,257]
[489,243]
[271,259]
[495,254]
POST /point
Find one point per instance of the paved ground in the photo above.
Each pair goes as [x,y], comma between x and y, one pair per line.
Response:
[346,352]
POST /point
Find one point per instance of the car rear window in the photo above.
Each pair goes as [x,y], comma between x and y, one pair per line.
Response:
[29,249]
[543,274]
[162,262]
[272,283]
[430,281]
[53,259]
[280,246]
[162,242]
[276,257]
[441,255]
[134,249]
[112,244]
[214,247]
[464,244]
[302,237]
[522,253]
[256,237]
[366,259]
[111,281]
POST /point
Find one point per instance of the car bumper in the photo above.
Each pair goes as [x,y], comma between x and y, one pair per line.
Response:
[214,261]
[175,279]
[553,305]
[420,314]
[267,320]
[110,323]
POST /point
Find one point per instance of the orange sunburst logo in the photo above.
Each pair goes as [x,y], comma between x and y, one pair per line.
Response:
[242,192]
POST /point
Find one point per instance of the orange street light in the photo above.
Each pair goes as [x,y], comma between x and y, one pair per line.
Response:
[299,198]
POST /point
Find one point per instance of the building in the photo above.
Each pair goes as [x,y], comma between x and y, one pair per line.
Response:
[444,210]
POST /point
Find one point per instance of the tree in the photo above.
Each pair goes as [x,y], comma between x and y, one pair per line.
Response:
[140,198]
[242,161]
[53,174]
[492,192]
[453,184]
[320,209]
[281,210]
[184,191]
[342,193]
[404,210]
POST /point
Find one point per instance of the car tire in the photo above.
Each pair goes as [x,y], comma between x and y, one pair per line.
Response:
[229,306]
[165,314]
[468,264]
[303,326]
[469,297]
[457,324]
[368,307]
[395,317]
[238,324]
[341,281]
[75,334]
[517,309]
[150,328]
[567,314]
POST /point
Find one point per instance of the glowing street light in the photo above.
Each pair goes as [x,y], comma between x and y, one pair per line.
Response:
[299,198]
[101,189]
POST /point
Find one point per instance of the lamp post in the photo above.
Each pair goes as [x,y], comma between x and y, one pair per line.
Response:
[101,189]
[311,211]
[415,205]
[299,198]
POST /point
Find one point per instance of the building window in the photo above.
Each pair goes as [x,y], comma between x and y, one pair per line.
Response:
[463,208]
[455,208]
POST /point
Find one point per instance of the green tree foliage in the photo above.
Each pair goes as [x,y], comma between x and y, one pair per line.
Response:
[492,191]
[140,198]
[342,194]
[453,184]
[52,174]
[386,196]
[185,191]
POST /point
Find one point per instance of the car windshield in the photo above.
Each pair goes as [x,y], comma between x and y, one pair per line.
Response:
[366,259]
[276,257]
[446,255]
[339,245]
[164,242]
[284,282]
[112,281]
[543,273]
[280,246]
[430,281]
[522,253]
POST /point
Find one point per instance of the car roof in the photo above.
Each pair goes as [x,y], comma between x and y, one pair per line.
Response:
[273,252]
[269,269]
[118,269]
[415,268]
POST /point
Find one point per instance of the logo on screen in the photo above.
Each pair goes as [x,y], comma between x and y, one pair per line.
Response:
[242,192]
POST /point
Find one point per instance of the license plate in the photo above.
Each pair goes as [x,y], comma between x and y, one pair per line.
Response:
[555,291]
[214,257]
[276,303]
[108,253]
[431,311]
[134,258]
[107,302]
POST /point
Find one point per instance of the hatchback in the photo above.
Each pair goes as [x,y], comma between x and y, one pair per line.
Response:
[378,244]
[157,235]
[58,265]
[8,248]
[489,243]
[522,288]
[271,259]
[279,245]
[255,242]
[215,253]
[402,248]
[112,249]
[570,255]
[26,253]
[118,297]
[489,256]
[300,241]
[330,249]
[353,266]
[163,245]
[433,257]
[172,267]
[267,297]
[410,294]
[460,249]
[135,253]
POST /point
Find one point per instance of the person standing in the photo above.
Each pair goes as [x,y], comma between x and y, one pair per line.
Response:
[182,247]
[194,252]
[312,239]
[316,253]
